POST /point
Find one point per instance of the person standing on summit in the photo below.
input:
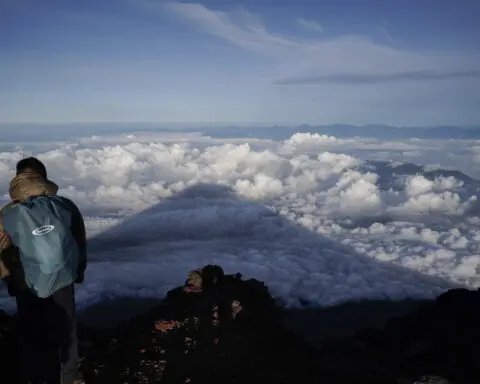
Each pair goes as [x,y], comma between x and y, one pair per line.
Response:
[43,253]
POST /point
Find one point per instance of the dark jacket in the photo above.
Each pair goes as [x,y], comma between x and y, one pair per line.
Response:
[23,186]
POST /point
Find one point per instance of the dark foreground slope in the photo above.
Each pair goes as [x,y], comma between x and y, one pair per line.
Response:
[222,329]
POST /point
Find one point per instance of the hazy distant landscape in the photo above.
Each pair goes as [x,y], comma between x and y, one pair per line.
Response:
[46,132]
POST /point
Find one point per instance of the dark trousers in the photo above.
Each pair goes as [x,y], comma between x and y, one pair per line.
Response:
[48,337]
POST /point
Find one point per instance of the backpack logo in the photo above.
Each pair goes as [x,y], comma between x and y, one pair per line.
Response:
[43,230]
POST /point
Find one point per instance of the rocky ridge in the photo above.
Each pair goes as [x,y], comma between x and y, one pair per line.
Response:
[221,328]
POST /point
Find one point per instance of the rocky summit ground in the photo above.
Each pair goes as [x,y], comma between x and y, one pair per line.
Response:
[222,329]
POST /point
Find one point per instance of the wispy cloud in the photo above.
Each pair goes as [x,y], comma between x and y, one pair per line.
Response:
[310,25]
[360,78]
[362,60]
[240,28]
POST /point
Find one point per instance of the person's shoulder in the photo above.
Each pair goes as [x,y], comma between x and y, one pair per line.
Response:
[5,211]
[8,205]
[64,198]
[69,202]
[5,241]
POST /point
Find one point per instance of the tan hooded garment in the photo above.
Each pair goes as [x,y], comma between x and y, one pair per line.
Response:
[22,186]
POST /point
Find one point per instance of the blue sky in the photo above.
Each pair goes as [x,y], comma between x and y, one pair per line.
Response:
[397,62]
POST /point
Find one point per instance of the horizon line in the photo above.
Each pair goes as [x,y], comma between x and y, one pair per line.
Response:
[234,124]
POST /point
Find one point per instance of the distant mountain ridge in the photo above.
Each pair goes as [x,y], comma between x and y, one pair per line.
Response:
[389,172]
[383,132]
[28,132]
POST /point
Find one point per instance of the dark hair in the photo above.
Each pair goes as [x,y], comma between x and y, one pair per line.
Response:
[31,163]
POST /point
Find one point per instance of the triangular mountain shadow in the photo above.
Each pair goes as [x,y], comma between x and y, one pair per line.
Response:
[209,223]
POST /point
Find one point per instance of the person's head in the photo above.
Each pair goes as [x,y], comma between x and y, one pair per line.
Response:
[31,164]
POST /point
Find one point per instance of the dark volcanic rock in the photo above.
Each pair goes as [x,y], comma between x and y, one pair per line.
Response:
[441,339]
[222,329]
[215,329]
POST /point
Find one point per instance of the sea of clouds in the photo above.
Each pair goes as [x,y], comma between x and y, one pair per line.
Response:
[321,220]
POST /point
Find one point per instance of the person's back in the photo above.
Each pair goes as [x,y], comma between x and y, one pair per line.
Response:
[46,301]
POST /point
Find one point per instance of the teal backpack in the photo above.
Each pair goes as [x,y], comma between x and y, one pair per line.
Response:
[40,227]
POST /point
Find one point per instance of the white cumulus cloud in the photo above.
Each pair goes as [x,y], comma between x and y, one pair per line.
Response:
[306,215]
